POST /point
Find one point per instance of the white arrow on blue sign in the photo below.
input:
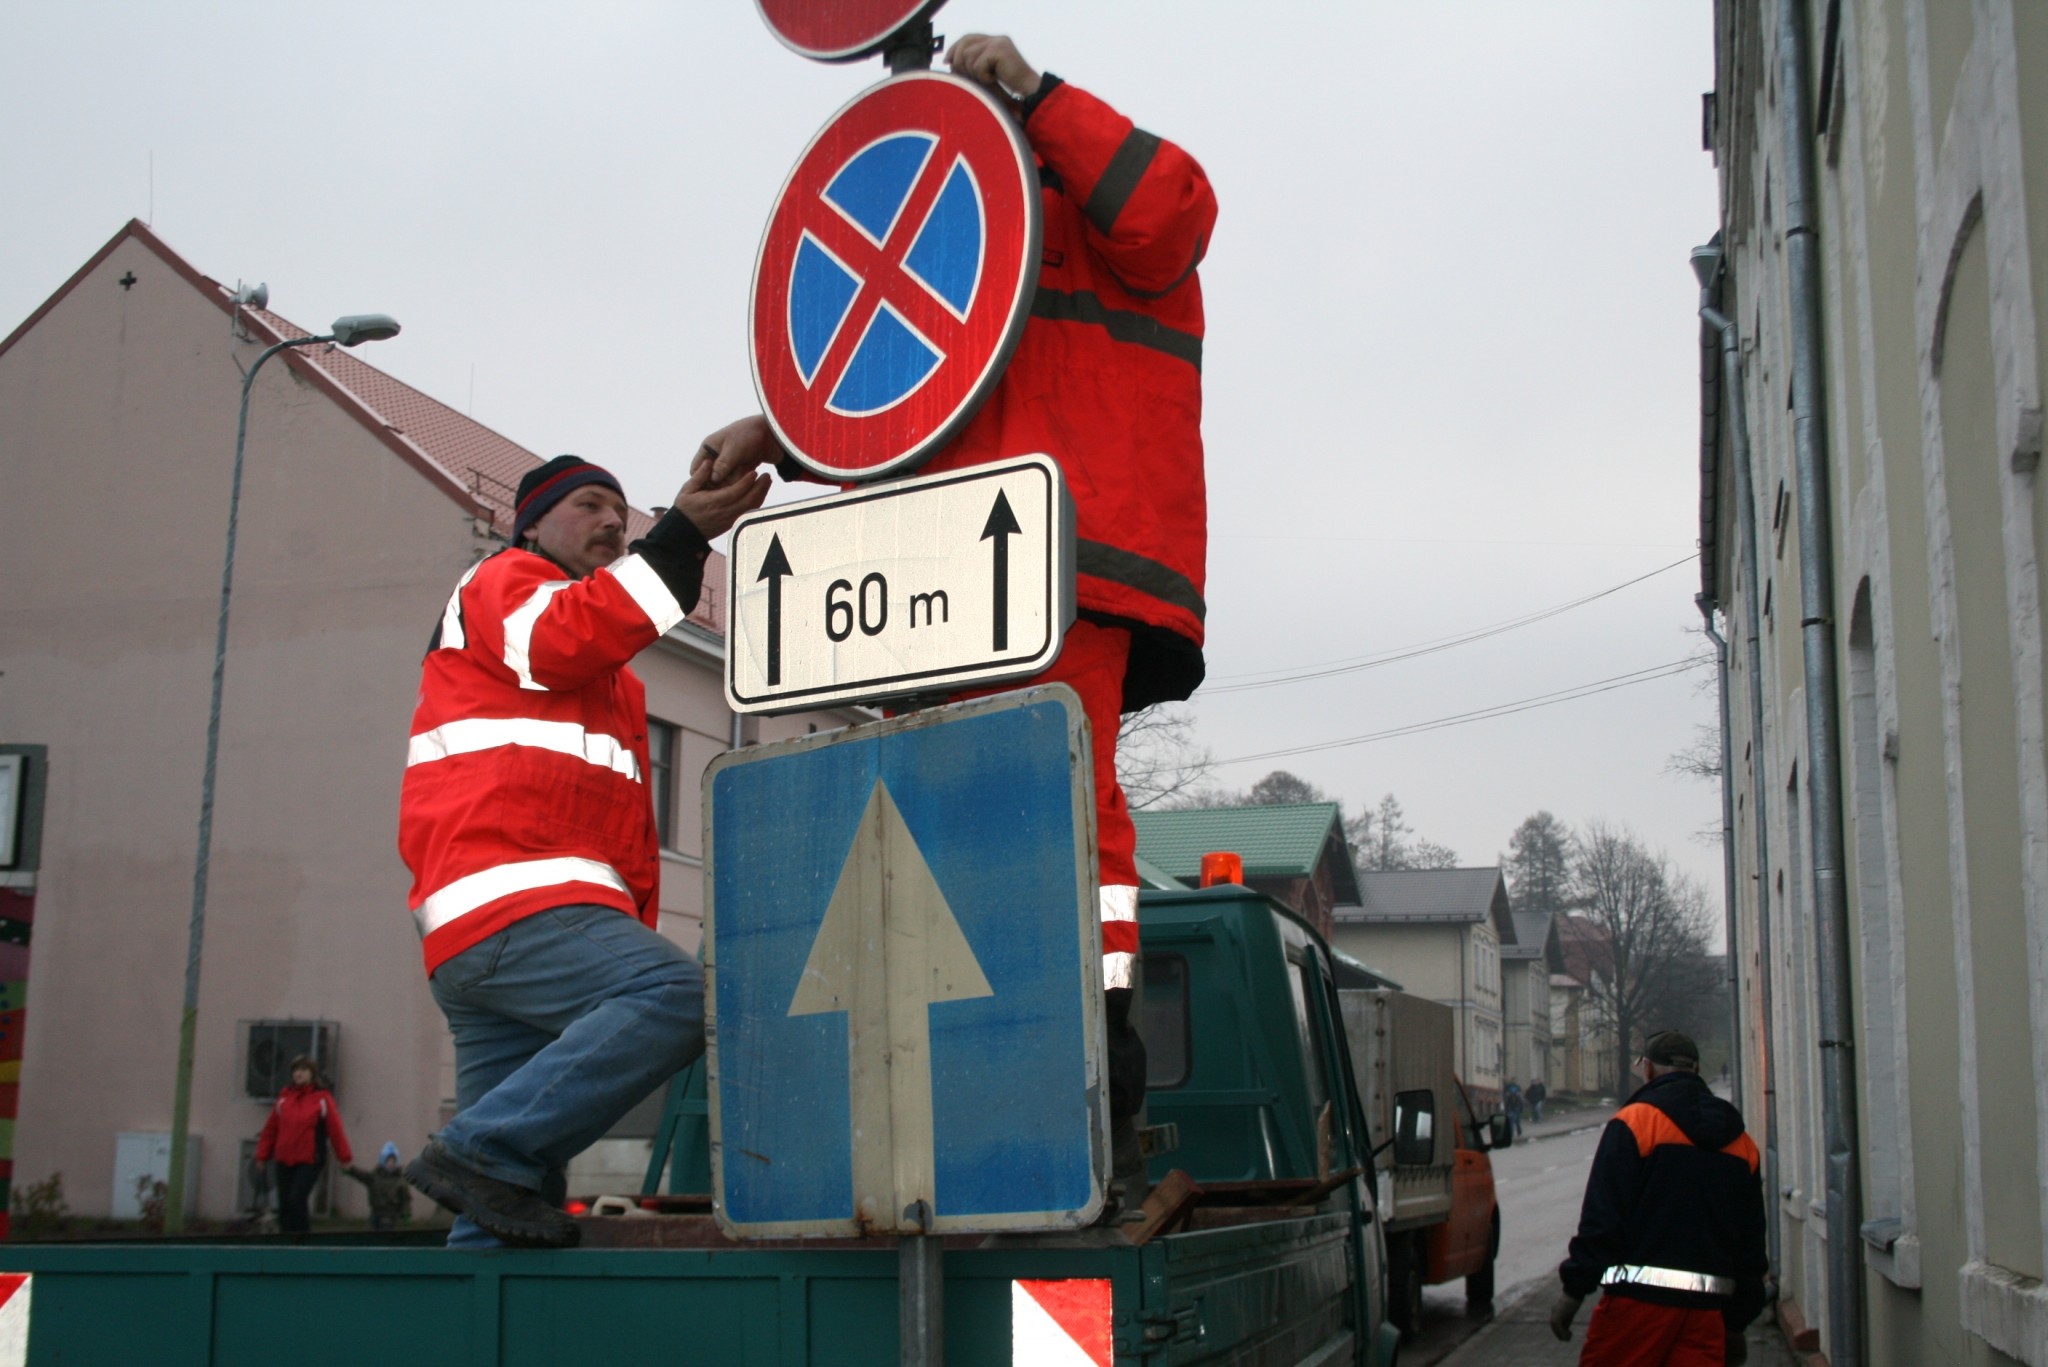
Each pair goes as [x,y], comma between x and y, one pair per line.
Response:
[902,964]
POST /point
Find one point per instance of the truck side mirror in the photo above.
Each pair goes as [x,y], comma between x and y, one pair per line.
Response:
[1498,1133]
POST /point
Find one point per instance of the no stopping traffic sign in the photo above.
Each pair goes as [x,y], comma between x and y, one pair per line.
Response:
[895,276]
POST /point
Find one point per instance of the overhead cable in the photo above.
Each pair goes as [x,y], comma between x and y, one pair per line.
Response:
[1585,690]
[1353,666]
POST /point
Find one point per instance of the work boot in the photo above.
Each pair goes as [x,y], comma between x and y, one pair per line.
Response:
[1128,1183]
[512,1213]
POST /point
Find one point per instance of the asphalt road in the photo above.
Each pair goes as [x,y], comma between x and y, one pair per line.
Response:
[1539,1182]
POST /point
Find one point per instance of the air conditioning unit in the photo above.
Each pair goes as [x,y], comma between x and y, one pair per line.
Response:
[270,1046]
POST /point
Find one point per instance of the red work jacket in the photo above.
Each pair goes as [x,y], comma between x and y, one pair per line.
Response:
[289,1134]
[1107,378]
[526,775]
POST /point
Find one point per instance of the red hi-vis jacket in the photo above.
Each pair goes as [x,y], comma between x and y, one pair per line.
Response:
[1107,378]
[526,776]
[291,1134]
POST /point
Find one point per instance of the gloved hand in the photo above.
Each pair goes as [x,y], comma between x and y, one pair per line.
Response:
[1561,1316]
[1737,1351]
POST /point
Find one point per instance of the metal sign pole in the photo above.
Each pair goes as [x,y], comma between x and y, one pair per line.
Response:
[921,1293]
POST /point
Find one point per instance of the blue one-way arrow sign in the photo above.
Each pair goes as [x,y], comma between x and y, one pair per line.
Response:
[902,962]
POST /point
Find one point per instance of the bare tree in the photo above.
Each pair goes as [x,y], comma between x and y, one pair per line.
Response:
[1387,846]
[1281,787]
[1539,864]
[1701,759]
[1427,854]
[1655,924]
[1158,760]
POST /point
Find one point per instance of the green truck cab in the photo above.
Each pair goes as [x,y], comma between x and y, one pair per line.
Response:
[1260,1242]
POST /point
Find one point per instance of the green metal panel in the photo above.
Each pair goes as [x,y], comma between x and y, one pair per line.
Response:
[653,1318]
[309,1320]
[98,1318]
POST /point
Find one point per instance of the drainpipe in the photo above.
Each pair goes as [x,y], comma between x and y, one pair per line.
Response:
[1752,631]
[1706,607]
[1823,724]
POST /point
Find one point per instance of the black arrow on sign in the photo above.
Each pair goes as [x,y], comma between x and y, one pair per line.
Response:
[1002,525]
[774,566]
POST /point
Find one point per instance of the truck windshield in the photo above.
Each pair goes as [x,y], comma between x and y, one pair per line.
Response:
[1311,1041]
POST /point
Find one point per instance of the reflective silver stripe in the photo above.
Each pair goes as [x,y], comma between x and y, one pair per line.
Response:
[640,580]
[519,632]
[466,894]
[1117,902]
[451,616]
[1669,1278]
[472,734]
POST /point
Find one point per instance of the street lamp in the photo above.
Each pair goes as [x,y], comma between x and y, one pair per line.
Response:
[348,331]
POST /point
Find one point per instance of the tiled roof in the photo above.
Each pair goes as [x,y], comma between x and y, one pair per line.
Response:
[1284,841]
[1587,948]
[477,467]
[1532,935]
[488,465]
[1445,895]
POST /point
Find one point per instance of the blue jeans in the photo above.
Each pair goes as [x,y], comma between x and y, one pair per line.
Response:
[563,1022]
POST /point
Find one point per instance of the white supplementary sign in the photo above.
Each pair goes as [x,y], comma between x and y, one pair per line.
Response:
[920,586]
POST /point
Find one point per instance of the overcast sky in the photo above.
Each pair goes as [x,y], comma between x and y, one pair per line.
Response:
[1451,373]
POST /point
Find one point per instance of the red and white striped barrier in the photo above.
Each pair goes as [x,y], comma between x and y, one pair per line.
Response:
[1059,1323]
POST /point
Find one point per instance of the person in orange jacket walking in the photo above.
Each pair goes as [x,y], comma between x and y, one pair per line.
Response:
[1672,1228]
[296,1136]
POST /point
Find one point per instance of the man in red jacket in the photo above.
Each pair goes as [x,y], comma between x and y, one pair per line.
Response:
[1107,379]
[528,824]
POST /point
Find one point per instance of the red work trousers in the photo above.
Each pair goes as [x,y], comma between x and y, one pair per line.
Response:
[1626,1332]
[1092,662]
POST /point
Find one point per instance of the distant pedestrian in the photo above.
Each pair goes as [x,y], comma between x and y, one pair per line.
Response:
[390,1193]
[1511,1102]
[302,1124]
[1537,1095]
[1672,1228]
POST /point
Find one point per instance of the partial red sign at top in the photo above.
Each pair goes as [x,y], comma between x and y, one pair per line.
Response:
[840,30]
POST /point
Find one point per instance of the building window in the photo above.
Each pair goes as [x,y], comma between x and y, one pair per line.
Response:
[661,777]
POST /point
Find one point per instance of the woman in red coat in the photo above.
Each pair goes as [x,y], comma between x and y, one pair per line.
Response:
[302,1124]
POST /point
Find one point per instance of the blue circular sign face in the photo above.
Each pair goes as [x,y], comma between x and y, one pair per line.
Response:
[895,276]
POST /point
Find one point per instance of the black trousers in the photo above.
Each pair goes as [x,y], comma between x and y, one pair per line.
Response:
[295,1183]
[1126,1057]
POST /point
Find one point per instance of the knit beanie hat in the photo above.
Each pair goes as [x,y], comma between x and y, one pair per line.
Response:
[546,485]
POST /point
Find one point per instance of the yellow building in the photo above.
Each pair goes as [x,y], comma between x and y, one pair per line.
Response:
[1872,528]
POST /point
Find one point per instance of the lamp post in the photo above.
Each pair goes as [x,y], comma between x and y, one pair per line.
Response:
[349,331]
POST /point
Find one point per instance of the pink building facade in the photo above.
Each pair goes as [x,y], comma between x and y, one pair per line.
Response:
[363,500]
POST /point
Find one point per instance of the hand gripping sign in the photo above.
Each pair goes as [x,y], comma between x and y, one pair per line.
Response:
[895,276]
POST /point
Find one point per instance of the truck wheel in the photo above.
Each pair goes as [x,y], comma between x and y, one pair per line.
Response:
[1479,1286]
[1404,1283]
